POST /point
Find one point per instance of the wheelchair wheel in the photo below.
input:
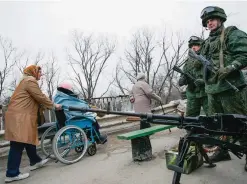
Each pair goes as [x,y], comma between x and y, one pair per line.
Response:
[92,149]
[46,142]
[70,144]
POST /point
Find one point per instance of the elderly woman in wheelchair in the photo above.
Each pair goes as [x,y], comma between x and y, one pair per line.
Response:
[75,132]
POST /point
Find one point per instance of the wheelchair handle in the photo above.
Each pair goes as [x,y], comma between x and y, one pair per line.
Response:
[77,109]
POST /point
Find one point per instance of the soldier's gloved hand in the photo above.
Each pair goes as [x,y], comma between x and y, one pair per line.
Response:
[197,64]
[199,82]
[224,72]
[213,80]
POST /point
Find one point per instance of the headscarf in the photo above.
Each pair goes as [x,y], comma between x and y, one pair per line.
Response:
[32,70]
[140,76]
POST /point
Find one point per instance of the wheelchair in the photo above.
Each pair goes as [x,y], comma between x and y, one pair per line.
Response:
[69,140]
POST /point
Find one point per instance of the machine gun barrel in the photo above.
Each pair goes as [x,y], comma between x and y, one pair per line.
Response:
[227,124]
[152,118]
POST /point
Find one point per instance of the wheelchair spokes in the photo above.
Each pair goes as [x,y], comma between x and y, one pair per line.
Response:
[70,144]
[46,141]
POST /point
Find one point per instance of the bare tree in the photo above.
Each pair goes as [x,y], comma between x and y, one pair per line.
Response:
[7,63]
[51,71]
[119,80]
[173,53]
[140,58]
[156,59]
[23,61]
[89,61]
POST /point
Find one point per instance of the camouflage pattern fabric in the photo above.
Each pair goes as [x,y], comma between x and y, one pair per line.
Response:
[194,105]
[245,74]
[228,102]
[221,97]
[193,91]
[245,92]
[190,85]
[234,53]
[196,96]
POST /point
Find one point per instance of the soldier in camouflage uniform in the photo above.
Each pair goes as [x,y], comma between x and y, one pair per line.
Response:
[226,48]
[195,91]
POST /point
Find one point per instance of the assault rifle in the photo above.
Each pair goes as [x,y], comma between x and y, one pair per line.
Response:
[199,131]
[177,69]
[207,66]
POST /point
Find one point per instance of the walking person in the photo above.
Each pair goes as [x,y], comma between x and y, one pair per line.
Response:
[141,96]
[21,122]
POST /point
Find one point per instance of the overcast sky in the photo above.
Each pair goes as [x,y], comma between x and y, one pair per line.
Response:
[47,25]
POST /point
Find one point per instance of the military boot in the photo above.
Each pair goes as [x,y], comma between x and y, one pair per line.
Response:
[220,155]
[245,167]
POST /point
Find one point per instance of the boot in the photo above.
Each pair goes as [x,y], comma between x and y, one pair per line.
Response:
[220,155]
[245,167]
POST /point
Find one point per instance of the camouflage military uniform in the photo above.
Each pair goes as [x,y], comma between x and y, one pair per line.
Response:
[245,77]
[245,74]
[196,96]
[221,97]
[195,92]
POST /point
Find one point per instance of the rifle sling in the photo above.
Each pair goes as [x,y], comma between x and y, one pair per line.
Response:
[221,48]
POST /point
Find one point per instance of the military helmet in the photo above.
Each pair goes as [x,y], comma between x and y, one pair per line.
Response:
[212,12]
[195,40]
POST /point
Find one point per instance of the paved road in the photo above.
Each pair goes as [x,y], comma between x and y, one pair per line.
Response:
[113,165]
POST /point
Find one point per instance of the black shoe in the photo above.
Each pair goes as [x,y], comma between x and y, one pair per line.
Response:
[220,155]
[102,139]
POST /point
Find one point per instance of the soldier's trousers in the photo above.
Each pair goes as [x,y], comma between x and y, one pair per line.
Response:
[229,102]
[193,107]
